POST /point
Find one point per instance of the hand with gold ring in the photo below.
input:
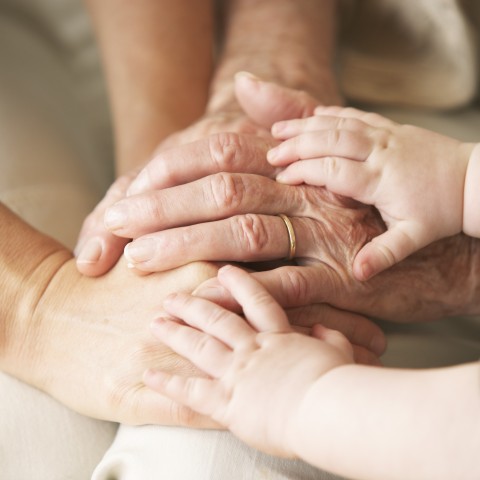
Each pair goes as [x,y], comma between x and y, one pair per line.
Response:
[216,199]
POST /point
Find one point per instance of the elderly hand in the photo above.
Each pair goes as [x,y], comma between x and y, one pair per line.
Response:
[234,216]
[98,249]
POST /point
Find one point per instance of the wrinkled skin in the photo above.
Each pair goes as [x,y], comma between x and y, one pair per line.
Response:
[437,281]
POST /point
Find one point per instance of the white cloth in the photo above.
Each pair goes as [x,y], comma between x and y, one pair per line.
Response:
[55,153]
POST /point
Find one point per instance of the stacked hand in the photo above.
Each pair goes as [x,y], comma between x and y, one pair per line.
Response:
[414,177]
[255,232]
[249,362]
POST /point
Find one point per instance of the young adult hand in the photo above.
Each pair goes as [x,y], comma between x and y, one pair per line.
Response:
[259,369]
[414,177]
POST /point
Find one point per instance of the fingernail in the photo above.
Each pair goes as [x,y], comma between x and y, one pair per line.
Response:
[246,76]
[140,250]
[116,217]
[278,127]
[91,252]
[225,269]
[169,299]
[281,178]
[158,322]
[367,270]
[272,154]
[140,184]
[378,344]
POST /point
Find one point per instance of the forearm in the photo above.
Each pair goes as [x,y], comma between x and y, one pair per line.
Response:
[158,61]
[393,423]
[291,43]
[28,261]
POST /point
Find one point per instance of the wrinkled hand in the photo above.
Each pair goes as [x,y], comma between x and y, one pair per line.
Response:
[233,216]
[414,177]
[98,249]
[259,369]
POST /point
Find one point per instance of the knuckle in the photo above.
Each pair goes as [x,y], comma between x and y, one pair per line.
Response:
[252,233]
[334,136]
[201,346]
[224,150]
[295,285]
[331,166]
[227,191]
[151,207]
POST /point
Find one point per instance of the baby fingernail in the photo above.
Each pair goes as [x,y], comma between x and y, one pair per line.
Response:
[116,217]
[367,270]
[272,154]
[140,250]
[91,252]
[278,127]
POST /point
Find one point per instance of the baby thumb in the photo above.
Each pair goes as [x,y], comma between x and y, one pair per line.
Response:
[382,252]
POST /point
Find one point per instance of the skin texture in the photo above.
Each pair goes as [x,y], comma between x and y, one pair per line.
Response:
[330,232]
[173,75]
[414,177]
[85,341]
[301,397]
[367,339]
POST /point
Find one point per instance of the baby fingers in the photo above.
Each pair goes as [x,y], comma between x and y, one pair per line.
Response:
[336,142]
[337,174]
[388,249]
[200,394]
[204,351]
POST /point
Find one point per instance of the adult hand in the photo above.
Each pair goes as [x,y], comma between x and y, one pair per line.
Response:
[259,369]
[98,249]
[87,343]
[228,216]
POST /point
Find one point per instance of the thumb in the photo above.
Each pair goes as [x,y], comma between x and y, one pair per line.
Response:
[384,251]
[267,103]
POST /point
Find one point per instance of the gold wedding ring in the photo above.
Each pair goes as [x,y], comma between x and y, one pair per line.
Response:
[291,236]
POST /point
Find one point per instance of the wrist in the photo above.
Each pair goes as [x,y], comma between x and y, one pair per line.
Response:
[471,195]
[29,262]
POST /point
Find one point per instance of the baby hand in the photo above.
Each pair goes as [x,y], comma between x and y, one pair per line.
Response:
[414,177]
[258,368]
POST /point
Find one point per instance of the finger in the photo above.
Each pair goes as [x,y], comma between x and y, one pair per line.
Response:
[211,198]
[201,394]
[227,327]
[259,307]
[339,175]
[242,238]
[364,356]
[373,119]
[333,338]
[157,409]
[213,291]
[386,250]
[267,103]
[359,330]
[204,351]
[98,250]
[291,128]
[299,286]
[97,255]
[322,143]
[222,152]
